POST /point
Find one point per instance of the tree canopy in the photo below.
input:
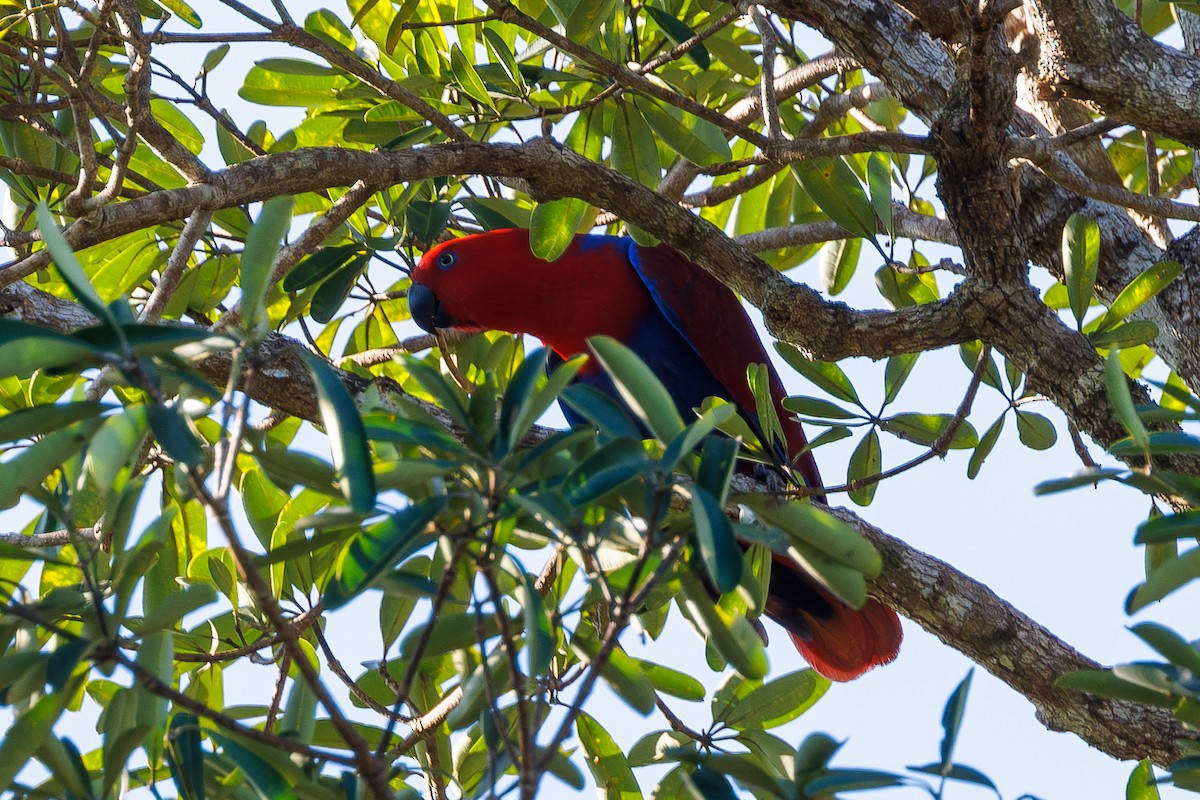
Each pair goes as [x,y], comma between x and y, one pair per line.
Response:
[218,425]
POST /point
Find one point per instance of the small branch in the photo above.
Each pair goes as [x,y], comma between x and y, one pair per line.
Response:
[51,538]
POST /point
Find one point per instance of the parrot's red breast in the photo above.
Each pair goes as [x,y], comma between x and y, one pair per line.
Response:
[696,336]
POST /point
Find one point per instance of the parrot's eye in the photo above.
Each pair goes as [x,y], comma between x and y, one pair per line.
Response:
[446,260]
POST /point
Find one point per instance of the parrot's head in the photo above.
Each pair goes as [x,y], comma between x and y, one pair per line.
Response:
[493,281]
[464,283]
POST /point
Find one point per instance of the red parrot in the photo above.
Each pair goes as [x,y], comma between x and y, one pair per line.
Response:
[692,331]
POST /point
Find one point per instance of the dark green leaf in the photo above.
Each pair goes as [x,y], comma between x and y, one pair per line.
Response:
[601,410]
[347,436]
[213,58]
[697,143]
[1168,528]
[1035,431]
[264,776]
[173,434]
[984,448]
[315,268]
[184,756]
[818,408]
[1169,645]
[427,219]
[639,387]
[1158,443]
[708,785]
[610,467]
[714,537]
[852,780]
[331,295]
[952,717]
[378,548]
[717,462]
[467,78]
[28,348]
[679,32]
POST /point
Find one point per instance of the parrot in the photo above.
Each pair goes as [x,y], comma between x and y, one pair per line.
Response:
[693,332]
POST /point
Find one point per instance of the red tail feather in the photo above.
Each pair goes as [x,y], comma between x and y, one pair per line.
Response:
[851,641]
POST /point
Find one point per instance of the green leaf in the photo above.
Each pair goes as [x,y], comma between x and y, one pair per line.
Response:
[1165,579]
[866,461]
[606,761]
[622,673]
[184,756]
[426,219]
[714,538]
[1081,259]
[775,703]
[970,352]
[1140,290]
[986,443]
[825,374]
[679,32]
[468,79]
[926,429]
[171,609]
[896,373]
[1125,334]
[553,225]
[818,408]
[27,733]
[39,420]
[70,268]
[639,387]
[28,348]
[213,58]
[1122,401]
[1104,683]
[267,779]
[952,717]
[1087,477]
[634,151]
[1185,524]
[318,266]
[813,526]
[508,61]
[839,258]
[879,182]
[331,295]
[378,548]
[258,262]
[183,11]
[539,636]
[673,682]
[852,780]
[697,143]
[717,462]
[347,435]
[1035,431]
[1170,645]
[173,434]
[834,187]
[1141,784]
[706,784]
[610,467]
[732,636]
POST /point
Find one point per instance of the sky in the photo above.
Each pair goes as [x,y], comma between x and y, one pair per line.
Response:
[1066,560]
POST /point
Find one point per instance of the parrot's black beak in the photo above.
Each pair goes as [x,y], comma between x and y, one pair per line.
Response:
[426,310]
